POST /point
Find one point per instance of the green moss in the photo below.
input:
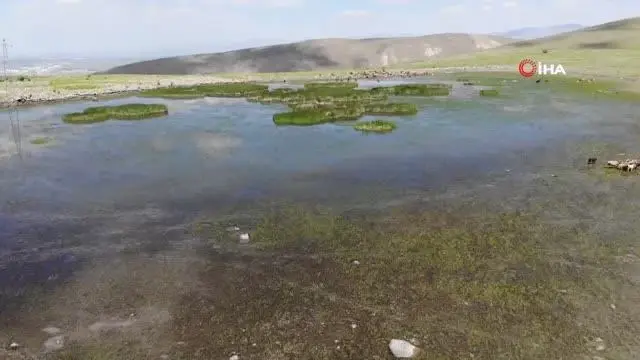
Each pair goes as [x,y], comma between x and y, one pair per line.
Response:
[121,112]
[414,90]
[489,92]
[40,141]
[379,126]
[493,285]
[207,90]
[334,84]
[391,109]
[318,116]
[302,99]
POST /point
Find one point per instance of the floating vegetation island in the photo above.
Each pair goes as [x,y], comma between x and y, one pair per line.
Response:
[377,126]
[319,103]
[314,103]
[120,112]
[207,90]
[489,92]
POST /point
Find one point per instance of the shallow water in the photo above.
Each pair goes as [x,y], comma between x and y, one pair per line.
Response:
[93,190]
[227,148]
[228,151]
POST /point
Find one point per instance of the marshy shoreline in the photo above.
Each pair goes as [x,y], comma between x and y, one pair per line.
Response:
[42,92]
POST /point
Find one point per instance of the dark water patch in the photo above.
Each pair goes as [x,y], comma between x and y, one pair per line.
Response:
[24,279]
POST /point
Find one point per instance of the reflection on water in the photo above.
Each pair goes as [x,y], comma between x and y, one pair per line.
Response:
[230,149]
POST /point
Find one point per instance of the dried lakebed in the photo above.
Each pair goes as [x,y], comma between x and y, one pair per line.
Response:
[475,227]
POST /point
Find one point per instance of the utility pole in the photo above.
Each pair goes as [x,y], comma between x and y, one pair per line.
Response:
[5,59]
[14,119]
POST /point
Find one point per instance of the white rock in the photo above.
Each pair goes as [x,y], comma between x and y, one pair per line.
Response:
[402,349]
[613,306]
[54,343]
[14,346]
[356,262]
[353,326]
[233,228]
[52,330]
[244,238]
[234,357]
[599,344]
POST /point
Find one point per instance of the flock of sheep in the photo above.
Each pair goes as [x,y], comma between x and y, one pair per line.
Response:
[626,165]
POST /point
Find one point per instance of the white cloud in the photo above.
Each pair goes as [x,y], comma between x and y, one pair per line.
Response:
[510,4]
[453,9]
[269,3]
[355,13]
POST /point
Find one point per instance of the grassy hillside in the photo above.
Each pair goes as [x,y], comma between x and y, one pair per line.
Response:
[319,54]
[610,49]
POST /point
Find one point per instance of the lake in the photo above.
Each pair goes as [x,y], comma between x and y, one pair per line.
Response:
[93,191]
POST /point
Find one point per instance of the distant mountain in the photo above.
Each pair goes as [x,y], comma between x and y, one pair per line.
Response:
[529,33]
[59,65]
[319,54]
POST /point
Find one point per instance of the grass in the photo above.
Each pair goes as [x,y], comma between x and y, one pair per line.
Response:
[321,115]
[601,88]
[489,92]
[415,90]
[317,116]
[209,90]
[333,84]
[496,286]
[40,141]
[378,126]
[121,112]
[391,109]
[319,104]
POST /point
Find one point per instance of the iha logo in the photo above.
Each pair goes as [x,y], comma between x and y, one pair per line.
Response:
[528,68]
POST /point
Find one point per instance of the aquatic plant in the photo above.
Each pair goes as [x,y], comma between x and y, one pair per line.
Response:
[379,126]
[317,116]
[119,112]
[40,140]
[333,84]
[489,92]
[505,276]
[236,89]
[390,109]
[414,90]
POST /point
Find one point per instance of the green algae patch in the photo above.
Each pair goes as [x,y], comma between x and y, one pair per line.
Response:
[391,109]
[334,84]
[319,97]
[207,90]
[506,277]
[376,126]
[414,90]
[40,141]
[317,116]
[489,92]
[120,112]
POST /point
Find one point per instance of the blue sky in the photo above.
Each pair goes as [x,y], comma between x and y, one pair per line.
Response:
[138,28]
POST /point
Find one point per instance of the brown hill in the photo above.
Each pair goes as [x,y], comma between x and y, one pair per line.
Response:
[319,54]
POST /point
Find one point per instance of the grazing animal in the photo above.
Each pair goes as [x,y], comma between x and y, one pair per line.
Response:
[591,161]
[538,81]
[632,167]
[613,163]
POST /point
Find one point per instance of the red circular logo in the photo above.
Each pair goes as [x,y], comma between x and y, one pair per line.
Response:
[527,68]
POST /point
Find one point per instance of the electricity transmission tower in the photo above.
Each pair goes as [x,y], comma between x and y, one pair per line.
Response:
[14,118]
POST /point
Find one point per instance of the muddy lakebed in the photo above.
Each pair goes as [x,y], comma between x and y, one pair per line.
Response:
[475,227]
